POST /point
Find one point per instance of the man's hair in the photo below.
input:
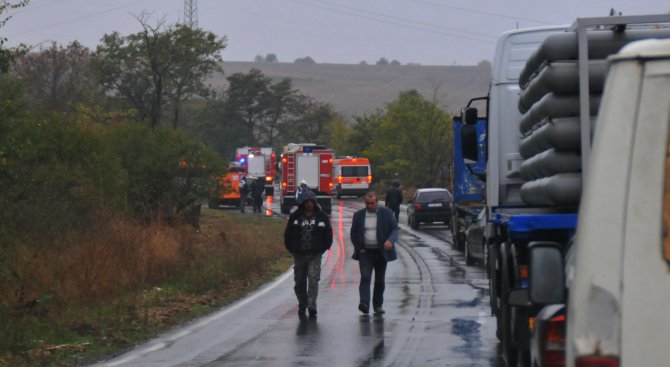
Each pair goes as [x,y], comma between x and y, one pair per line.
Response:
[371,195]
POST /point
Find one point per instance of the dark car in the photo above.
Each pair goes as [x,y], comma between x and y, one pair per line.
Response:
[475,240]
[429,206]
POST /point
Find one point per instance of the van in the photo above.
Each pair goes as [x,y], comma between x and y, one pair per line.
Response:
[352,176]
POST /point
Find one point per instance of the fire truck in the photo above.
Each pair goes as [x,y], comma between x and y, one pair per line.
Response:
[230,183]
[352,176]
[259,163]
[312,163]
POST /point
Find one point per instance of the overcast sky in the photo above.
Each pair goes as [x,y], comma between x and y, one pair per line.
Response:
[429,32]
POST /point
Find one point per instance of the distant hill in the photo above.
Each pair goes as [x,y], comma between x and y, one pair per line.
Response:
[356,90]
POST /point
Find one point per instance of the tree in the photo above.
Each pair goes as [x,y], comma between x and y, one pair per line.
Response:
[157,65]
[271,58]
[412,136]
[57,79]
[305,60]
[259,58]
[7,56]
[395,62]
[382,61]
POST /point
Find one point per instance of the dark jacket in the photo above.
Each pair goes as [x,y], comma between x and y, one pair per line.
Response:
[393,197]
[387,230]
[322,236]
[257,187]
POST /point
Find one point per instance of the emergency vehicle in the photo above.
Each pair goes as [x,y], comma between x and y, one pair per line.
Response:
[352,176]
[230,193]
[258,163]
[312,163]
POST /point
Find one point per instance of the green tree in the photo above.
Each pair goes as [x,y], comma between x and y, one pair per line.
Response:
[157,65]
[413,139]
[8,56]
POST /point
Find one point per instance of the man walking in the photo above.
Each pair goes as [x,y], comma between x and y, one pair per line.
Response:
[243,188]
[307,236]
[257,189]
[374,232]
[393,199]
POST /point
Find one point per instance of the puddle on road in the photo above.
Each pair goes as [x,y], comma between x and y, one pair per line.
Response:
[468,330]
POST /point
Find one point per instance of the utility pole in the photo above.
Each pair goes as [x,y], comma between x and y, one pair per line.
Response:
[191,13]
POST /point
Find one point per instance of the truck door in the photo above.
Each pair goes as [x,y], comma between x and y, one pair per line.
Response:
[307,168]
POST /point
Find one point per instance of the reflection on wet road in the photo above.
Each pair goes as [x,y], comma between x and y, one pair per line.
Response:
[436,314]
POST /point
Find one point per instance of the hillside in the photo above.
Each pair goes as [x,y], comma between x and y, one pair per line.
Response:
[355,90]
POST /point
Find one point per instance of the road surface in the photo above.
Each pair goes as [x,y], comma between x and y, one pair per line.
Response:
[436,314]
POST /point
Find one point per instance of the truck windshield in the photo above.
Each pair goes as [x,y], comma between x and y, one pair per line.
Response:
[354,171]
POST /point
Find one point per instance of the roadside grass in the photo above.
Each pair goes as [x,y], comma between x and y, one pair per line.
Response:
[97,296]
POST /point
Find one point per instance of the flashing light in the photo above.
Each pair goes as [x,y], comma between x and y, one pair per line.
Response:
[273,155]
[242,160]
[369,179]
[283,160]
[354,160]
[268,178]
[330,184]
[330,160]
[307,149]
[239,156]
[251,155]
[283,184]
[339,179]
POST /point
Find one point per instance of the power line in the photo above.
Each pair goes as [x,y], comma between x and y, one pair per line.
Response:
[410,20]
[393,23]
[484,12]
[77,19]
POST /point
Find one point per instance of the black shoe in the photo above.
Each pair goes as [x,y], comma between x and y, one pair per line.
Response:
[379,310]
[301,310]
[312,312]
[364,308]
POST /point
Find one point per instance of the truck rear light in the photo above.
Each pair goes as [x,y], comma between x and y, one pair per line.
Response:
[368,179]
[339,179]
[283,184]
[597,362]
[268,178]
[330,184]
[523,271]
[553,353]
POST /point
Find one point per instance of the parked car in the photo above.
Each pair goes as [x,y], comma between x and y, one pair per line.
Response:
[428,206]
[475,240]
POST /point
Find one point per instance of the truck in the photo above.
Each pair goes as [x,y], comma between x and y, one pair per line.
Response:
[228,192]
[352,176]
[468,173]
[259,163]
[312,163]
[544,96]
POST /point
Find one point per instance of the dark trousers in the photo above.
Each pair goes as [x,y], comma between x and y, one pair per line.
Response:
[258,203]
[396,211]
[369,261]
[243,201]
[306,272]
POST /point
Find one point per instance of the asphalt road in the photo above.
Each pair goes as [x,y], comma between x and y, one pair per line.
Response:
[436,314]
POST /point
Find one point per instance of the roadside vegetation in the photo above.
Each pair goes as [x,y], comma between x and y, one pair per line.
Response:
[105,160]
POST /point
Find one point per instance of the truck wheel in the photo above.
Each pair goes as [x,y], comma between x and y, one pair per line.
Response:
[510,352]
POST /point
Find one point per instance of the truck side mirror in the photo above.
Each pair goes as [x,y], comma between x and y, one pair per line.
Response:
[546,273]
[469,115]
[469,142]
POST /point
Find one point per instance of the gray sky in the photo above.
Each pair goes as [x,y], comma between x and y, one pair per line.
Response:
[429,32]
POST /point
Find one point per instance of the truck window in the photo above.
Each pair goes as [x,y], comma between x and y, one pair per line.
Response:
[666,204]
[354,171]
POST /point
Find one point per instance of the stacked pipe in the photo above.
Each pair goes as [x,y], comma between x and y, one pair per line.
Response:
[549,101]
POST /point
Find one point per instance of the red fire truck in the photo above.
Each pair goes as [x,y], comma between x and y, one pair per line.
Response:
[259,163]
[312,163]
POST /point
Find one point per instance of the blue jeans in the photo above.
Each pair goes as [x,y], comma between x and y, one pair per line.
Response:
[372,260]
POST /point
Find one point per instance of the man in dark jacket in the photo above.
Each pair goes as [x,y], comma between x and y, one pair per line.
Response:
[257,189]
[393,199]
[374,232]
[244,190]
[307,236]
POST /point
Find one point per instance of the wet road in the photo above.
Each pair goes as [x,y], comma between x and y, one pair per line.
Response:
[436,314]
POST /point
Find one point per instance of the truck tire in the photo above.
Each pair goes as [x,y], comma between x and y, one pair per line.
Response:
[510,352]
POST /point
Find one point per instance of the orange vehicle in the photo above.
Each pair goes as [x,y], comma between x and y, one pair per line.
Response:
[230,195]
[352,176]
